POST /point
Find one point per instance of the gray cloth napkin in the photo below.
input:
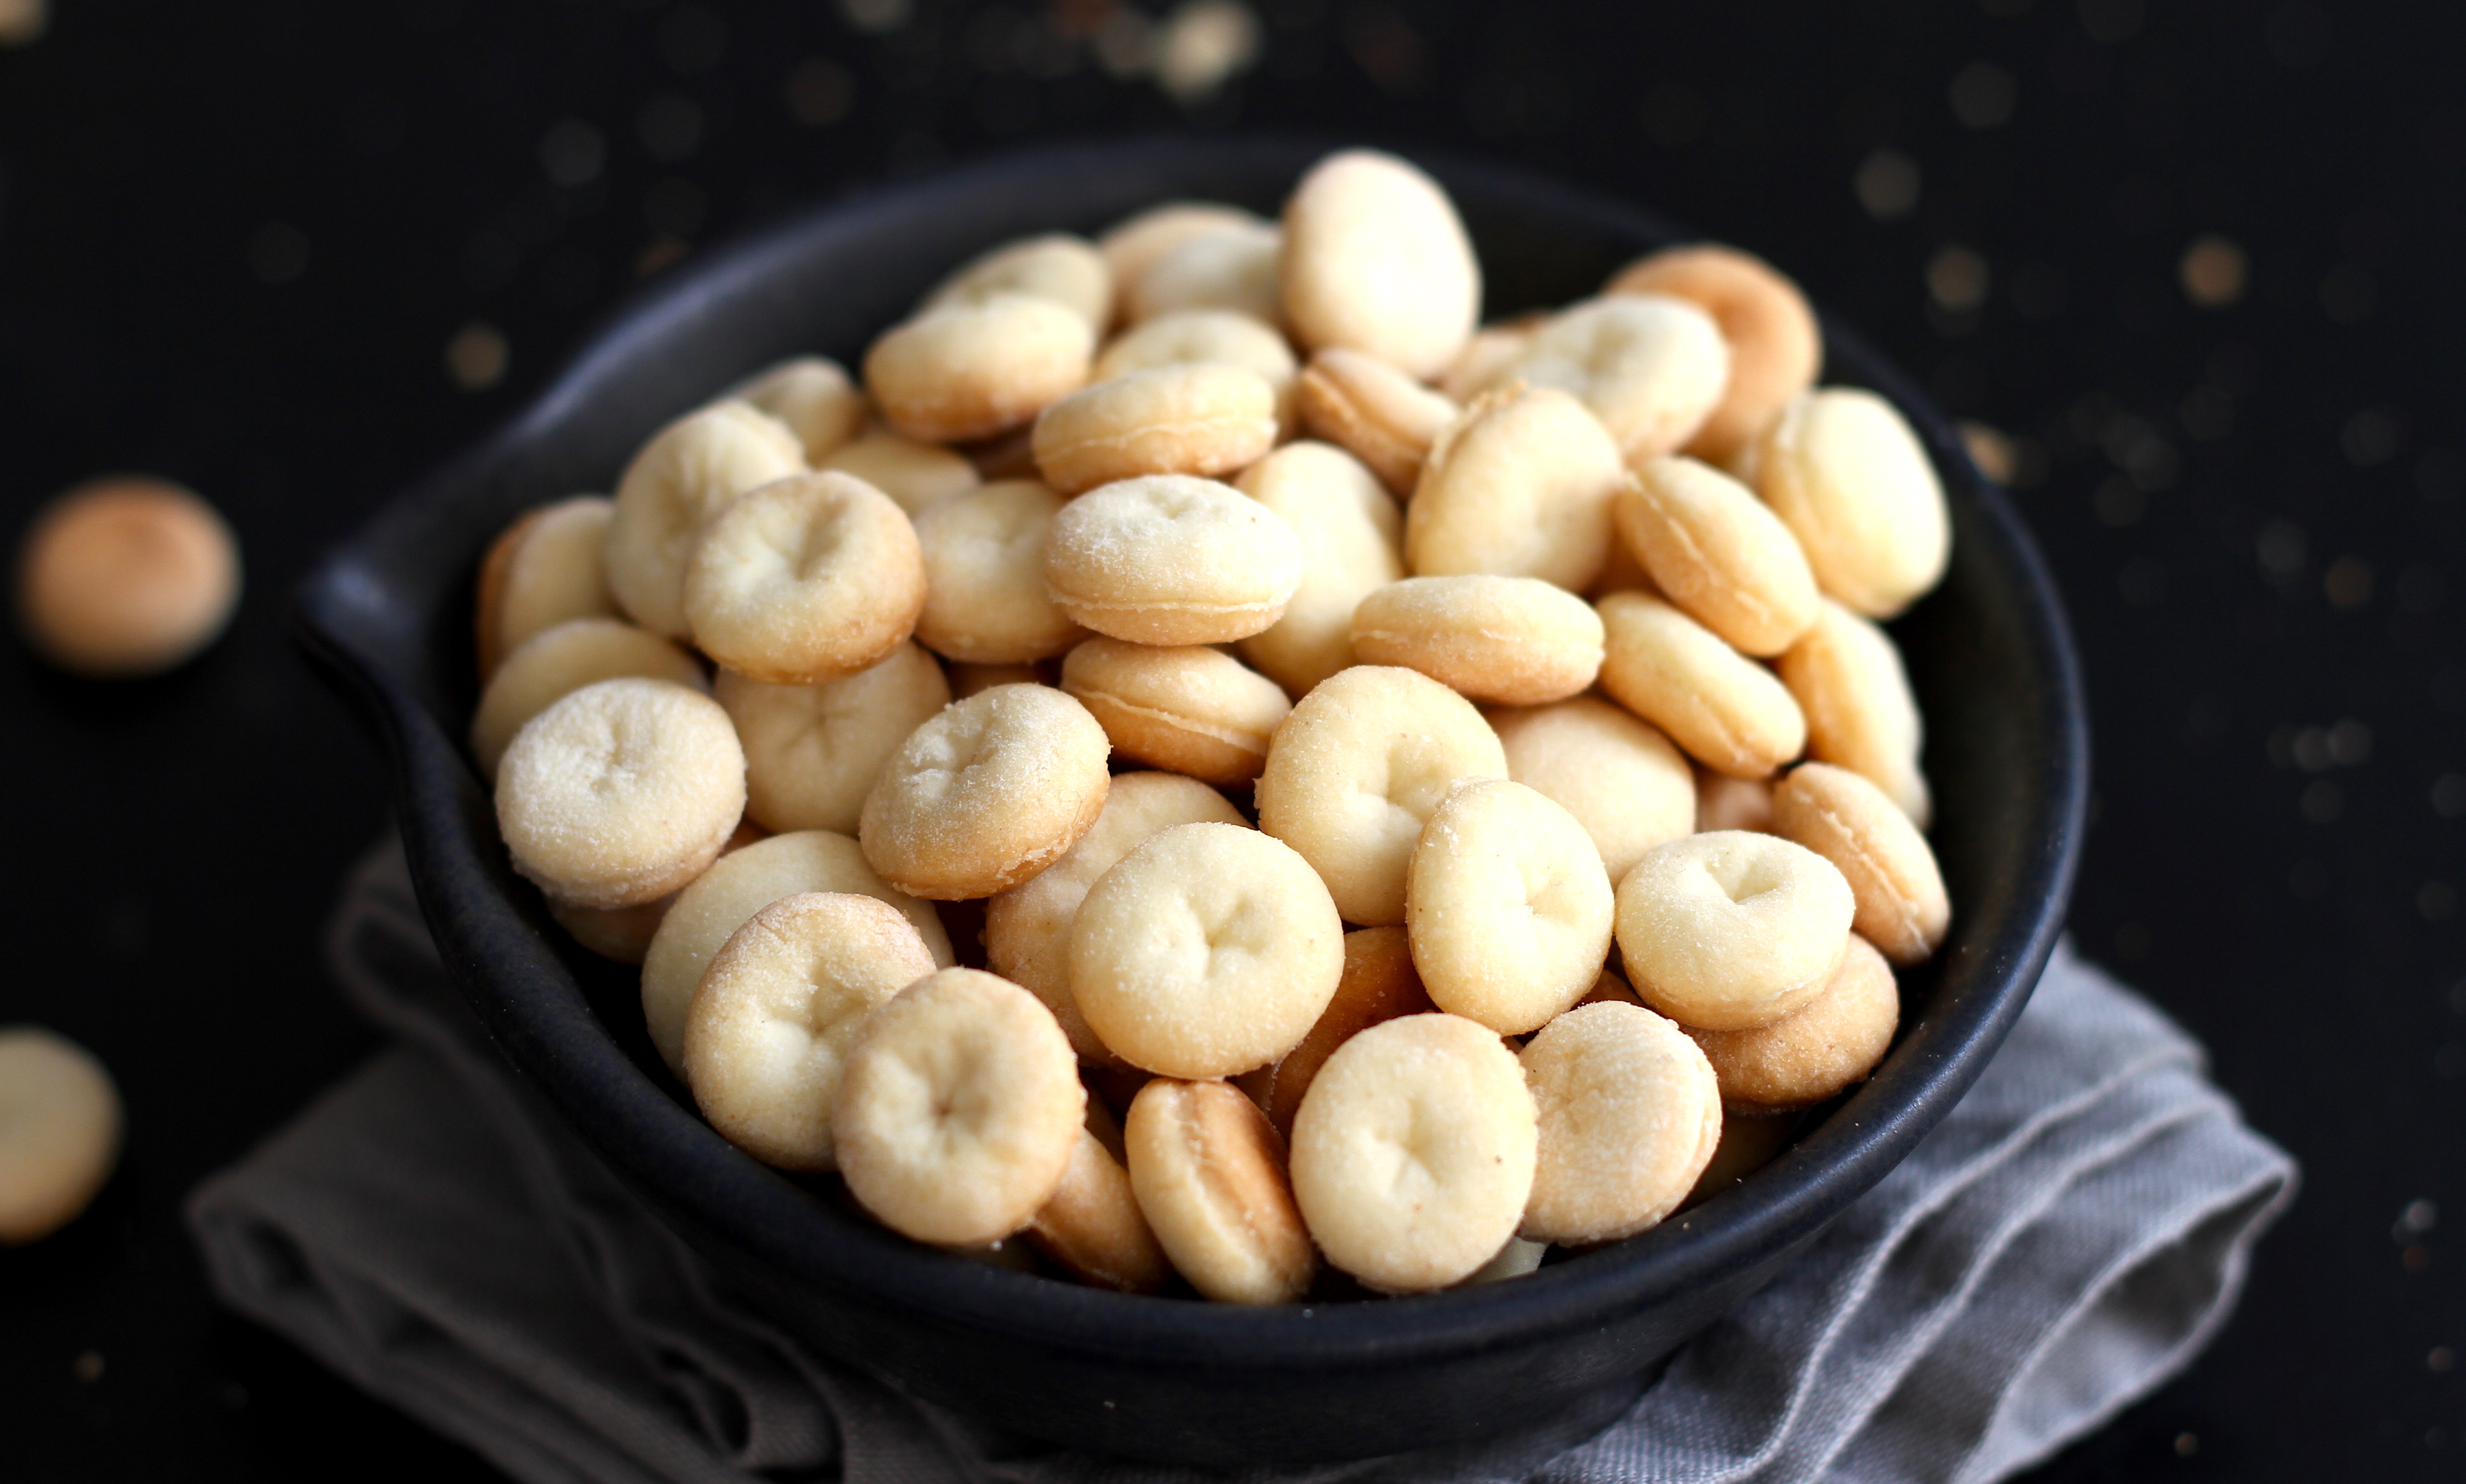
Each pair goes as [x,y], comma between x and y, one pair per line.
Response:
[2068,1239]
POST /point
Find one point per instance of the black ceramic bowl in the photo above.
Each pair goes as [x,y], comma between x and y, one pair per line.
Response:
[389,613]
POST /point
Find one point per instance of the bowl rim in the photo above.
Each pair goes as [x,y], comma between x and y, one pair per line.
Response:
[548,1031]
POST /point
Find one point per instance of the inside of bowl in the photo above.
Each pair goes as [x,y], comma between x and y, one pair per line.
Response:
[400,598]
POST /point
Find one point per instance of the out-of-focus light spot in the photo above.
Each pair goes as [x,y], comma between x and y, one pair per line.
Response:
[573,153]
[659,254]
[2348,582]
[2449,802]
[1126,44]
[1076,20]
[1387,48]
[1982,96]
[2349,294]
[2282,550]
[1991,450]
[693,40]
[1205,43]
[2436,901]
[476,355]
[2420,1216]
[2110,21]
[2440,1360]
[278,253]
[2187,1444]
[1957,279]
[2214,271]
[820,92]
[2372,437]
[1887,185]
[23,22]
[670,126]
[2308,750]
[1675,115]
[873,18]
[2349,743]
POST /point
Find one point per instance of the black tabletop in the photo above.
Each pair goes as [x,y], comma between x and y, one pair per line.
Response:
[2190,269]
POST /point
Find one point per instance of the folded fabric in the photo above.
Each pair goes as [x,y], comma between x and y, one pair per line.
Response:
[2068,1239]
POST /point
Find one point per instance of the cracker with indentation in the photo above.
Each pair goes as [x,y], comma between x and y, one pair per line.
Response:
[777,1007]
[1816,1051]
[1170,560]
[987,794]
[1775,345]
[805,579]
[1727,930]
[1520,484]
[1508,907]
[985,600]
[688,472]
[1630,1114]
[1652,367]
[957,1108]
[622,792]
[1413,1153]
[1358,768]
[1625,782]
[1027,928]
[559,661]
[1206,951]
[740,884]
[813,752]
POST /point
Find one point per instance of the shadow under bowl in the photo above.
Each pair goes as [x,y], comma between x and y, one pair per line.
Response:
[387,615]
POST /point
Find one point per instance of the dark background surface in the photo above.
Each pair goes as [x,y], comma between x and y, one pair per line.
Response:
[236,242]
